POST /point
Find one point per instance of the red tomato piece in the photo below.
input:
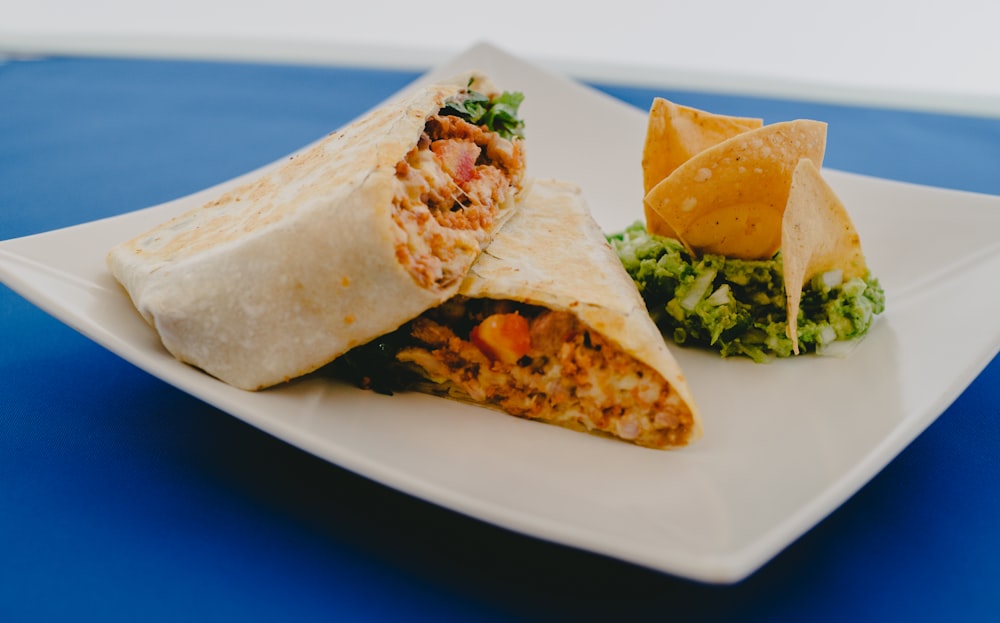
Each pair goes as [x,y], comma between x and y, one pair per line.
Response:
[504,337]
[458,158]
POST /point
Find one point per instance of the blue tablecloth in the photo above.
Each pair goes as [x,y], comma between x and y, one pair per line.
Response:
[122,498]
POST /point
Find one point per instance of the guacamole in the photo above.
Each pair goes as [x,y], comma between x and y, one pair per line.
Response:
[738,307]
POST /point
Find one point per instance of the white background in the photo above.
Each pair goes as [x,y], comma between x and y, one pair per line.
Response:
[942,55]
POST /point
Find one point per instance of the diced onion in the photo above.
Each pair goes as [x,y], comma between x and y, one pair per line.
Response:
[838,348]
[832,278]
[827,334]
[698,289]
[721,296]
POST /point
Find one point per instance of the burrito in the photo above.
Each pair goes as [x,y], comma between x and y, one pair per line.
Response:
[547,326]
[342,242]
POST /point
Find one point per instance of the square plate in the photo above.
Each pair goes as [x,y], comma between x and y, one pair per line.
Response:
[785,443]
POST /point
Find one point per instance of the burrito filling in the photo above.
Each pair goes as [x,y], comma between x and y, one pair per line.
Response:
[531,362]
[452,187]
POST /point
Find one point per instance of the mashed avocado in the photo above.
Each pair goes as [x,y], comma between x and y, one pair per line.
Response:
[738,307]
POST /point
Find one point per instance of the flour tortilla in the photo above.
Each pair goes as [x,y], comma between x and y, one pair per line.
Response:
[282,274]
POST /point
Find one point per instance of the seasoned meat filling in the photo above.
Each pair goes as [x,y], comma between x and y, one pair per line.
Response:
[452,186]
[543,364]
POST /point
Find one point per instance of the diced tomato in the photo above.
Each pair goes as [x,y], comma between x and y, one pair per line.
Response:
[458,158]
[505,337]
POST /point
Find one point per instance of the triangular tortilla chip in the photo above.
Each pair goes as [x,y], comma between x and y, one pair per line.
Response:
[729,199]
[674,134]
[817,236]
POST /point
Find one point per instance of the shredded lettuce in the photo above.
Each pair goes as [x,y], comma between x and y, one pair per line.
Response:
[738,307]
[498,113]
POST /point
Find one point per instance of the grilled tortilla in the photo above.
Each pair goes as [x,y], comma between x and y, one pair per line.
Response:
[343,242]
[548,326]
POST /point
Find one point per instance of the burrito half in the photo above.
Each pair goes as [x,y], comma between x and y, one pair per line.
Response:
[343,242]
[547,326]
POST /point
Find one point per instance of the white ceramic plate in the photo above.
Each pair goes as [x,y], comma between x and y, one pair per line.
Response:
[784,444]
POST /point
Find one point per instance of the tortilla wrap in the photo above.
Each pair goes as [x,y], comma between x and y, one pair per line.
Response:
[553,255]
[282,274]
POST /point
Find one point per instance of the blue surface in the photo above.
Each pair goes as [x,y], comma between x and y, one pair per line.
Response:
[122,498]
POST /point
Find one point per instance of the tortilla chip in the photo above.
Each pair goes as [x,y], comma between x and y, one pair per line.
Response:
[817,236]
[676,133]
[729,199]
